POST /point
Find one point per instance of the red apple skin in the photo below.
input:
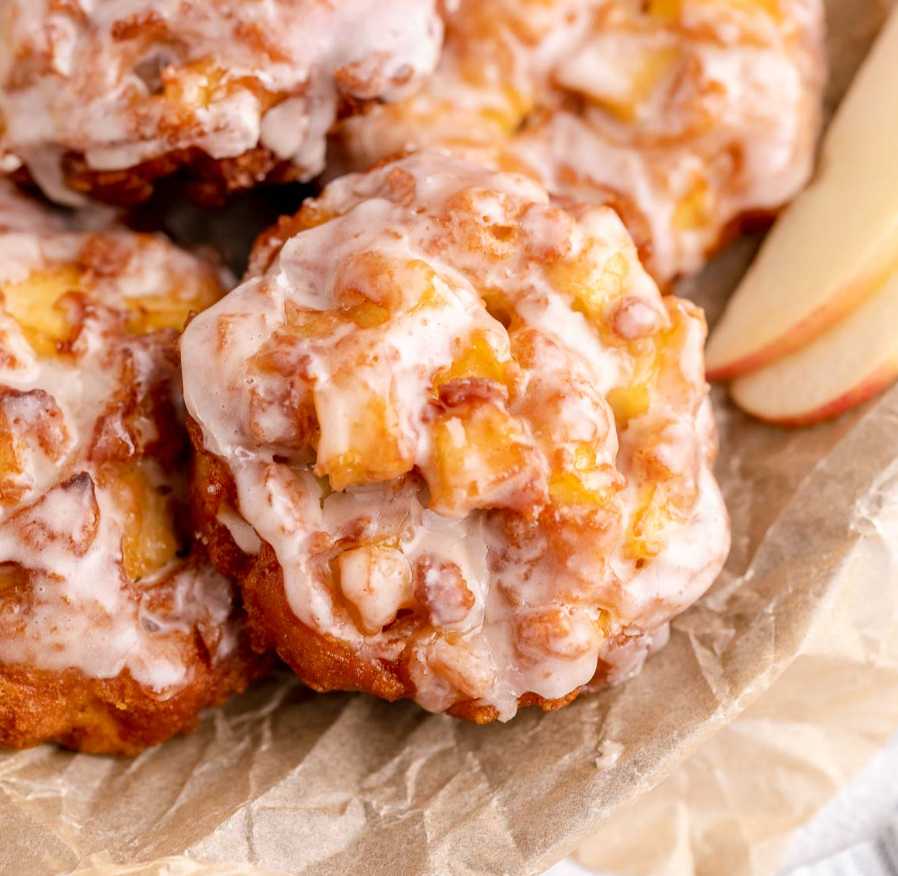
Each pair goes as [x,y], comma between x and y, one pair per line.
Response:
[810,328]
[876,382]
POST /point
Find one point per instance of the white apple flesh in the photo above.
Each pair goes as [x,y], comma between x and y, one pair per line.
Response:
[837,371]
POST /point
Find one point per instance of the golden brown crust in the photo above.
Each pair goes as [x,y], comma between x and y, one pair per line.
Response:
[114,716]
[207,181]
[322,662]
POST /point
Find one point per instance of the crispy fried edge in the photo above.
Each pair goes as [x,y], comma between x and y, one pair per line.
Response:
[322,662]
[116,716]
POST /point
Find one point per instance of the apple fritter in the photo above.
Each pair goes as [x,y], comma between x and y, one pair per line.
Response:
[691,117]
[114,632]
[106,98]
[453,443]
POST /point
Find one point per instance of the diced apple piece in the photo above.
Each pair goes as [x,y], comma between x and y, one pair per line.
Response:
[672,9]
[377,580]
[170,310]
[194,86]
[149,540]
[480,359]
[563,633]
[361,437]
[838,371]
[617,72]
[584,481]
[836,245]
[32,303]
[647,534]
[482,459]
[591,283]
[634,398]
[29,422]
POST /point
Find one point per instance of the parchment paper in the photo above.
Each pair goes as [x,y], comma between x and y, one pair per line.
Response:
[734,806]
[331,785]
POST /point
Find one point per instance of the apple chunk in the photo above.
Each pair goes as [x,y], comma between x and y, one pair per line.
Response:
[837,244]
[835,372]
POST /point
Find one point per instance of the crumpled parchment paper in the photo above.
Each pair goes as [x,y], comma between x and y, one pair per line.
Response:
[735,805]
[283,780]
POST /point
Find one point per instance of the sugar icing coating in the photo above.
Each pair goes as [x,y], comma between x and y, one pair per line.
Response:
[92,469]
[476,438]
[121,82]
[684,114]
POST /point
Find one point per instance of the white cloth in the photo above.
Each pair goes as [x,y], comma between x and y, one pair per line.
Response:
[855,835]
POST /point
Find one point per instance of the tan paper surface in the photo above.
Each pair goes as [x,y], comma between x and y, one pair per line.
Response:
[735,805]
[338,784]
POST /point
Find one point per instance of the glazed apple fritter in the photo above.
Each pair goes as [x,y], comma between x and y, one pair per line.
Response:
[107,97]
[457,447]
[690,117]
[113,632]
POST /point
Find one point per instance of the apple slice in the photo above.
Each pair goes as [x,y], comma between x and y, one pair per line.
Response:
[837,243]
[835,372]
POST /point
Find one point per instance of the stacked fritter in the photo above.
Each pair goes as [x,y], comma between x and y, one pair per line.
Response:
[113,632]
[108,97]
[688,116]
